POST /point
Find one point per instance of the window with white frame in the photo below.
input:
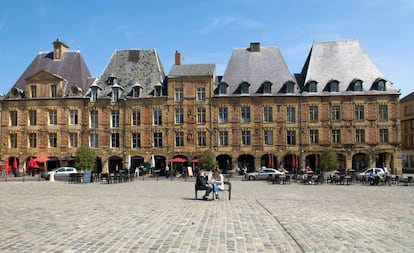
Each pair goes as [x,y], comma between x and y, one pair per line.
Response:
[291,137]
[157,117]
[179,116]
[268,137]
[245,114]
[223,115]
[157,140]
[359,112]
[223,138]
[179,94]
[114,119]
[267,114]
[115,140]
[313,113]
[201,138]
[73,140]
[335,112]
[360,136]
[32,140]
[73,120]
[383,113]
[201,115]
[52,117]
[290,114]
[93,119]
[136,140]
[314,136]
[136,117]
[13,140]
[336,136]
[201,94]
[245,137]
[179,139]
[52,140]
[94,140]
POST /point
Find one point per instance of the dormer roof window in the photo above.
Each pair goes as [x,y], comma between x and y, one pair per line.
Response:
[158,90]
[136,90]
[244,88]
[116,91]
[379,85]
[111,79]
[356,85]
[288,87]
[312,86]
[267,87]
[333,86]
[222,88]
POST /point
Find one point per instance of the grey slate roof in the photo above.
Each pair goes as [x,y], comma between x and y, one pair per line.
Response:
[71,68]
[132,67]
[256,68]
[189,70]
[344,61]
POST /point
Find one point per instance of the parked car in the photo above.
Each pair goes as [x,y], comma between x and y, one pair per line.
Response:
[264,173]
[378,171]
[61,173]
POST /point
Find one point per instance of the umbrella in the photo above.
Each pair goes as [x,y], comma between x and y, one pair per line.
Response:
[195,161]
[177,160]
[7,165]
[32,163]
[14,163]
[152,161]
[41,159]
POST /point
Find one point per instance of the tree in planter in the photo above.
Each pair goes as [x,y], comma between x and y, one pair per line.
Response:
[328,160]
[206,160]
[85,158]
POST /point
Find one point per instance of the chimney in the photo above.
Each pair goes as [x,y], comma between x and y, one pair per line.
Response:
[177,58]
[59,48]
[255,47]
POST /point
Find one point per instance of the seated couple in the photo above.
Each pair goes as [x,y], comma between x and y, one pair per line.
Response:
[216,184]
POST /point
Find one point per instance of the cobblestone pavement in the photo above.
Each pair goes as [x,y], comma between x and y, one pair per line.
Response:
[163,216]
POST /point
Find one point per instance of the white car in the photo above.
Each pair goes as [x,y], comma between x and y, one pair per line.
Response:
[61,173]
[378,171]
[264,173]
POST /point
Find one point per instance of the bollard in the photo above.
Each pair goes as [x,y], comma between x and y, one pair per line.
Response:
[52,177]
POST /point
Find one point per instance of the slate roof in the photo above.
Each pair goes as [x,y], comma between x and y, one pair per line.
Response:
[256,68]
[188,70]
[344,61]
[71,68]
[132,67]
[407,98]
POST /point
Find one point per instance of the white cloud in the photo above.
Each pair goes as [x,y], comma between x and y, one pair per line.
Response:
[218,23]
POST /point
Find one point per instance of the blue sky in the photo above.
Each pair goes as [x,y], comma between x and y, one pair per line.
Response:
[206,31]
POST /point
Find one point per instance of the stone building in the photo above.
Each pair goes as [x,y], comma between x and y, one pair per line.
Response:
[407,131]
[257,114]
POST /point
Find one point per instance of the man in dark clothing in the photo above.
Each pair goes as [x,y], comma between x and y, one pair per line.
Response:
[202,184]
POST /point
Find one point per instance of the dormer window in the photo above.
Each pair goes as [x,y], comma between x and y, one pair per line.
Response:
[94,94]
[111,79]
[244,88]
[379,85]
[267,88]
[334,86]
[290,87]
[223,89]
[33,91]
[53,90]
[312,86]
[136,90]
[116,91]
[158,90]
[357,85]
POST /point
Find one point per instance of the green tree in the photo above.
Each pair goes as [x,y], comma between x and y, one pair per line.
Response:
[206,160]
[328,160]
[85,158]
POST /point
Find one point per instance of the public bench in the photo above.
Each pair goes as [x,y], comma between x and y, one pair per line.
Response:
[227,188]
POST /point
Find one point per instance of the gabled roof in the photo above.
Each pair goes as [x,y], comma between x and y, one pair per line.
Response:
[257,67]
[192,70]
[71,68]
[344,61]
[409,97]
[132,67]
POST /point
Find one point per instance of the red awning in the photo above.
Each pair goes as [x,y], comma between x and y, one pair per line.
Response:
[177,160]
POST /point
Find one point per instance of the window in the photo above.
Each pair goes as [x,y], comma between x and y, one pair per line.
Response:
[245,137]
[33,91]
[245,114]
[313,87]
[179,139]
[136,117]
[358,85]
[291,137]
[115,119]
[52,117]
[383,135]
[336,136]
[136,140]
[223,115]
[73,140]
[224,138]
[223,89]
[268,137]
[178,94]
[93,119]
[13,118]
[32,118]
[267,88]
[201,94]
[94,94]
[201,138]
[179,116]
[157,117]
[313,113]
[201,115]
[314,136]
[53,90]
[32,140]
[267,114]
[94,140]
[360,136]
[13,140]
[115,94]
[157,140]
[136,91]
[158,90]
[335,112]
[383,113]
[115,140]
[52,140]
[359,112]
[290,87]
[381,85]
[73,117]
[334,86]
[291,114]
[244,88]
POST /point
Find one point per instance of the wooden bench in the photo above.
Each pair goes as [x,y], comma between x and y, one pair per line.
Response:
[227,187]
